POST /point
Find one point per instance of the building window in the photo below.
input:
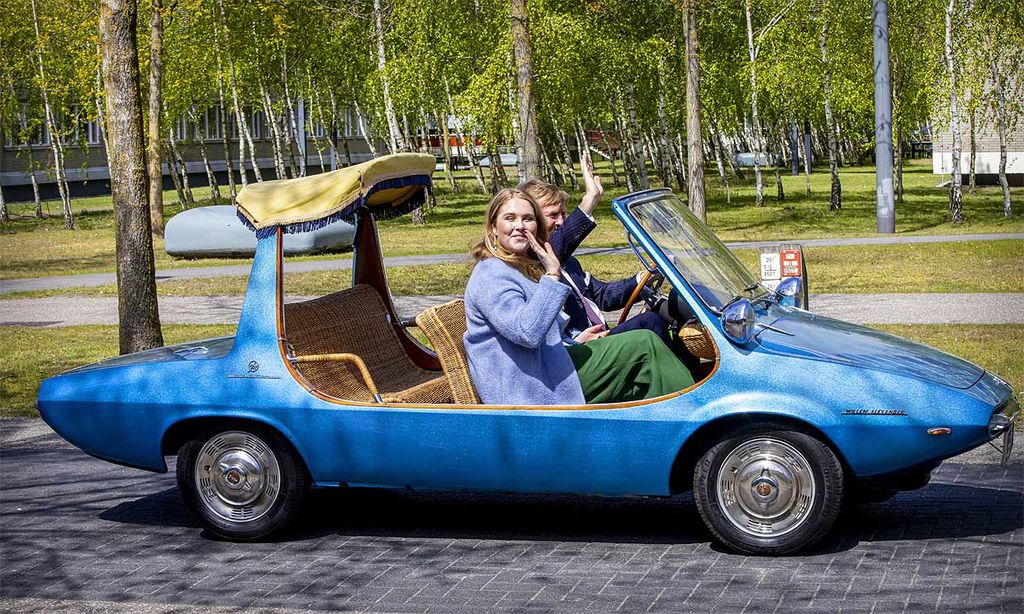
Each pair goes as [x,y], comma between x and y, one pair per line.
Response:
[256,125]
[318,130]
[92,132]
[211,123]
[180,129]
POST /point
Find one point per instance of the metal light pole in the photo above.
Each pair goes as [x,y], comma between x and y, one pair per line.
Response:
[885,213]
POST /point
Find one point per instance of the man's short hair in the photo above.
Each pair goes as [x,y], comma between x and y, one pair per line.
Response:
[544,193]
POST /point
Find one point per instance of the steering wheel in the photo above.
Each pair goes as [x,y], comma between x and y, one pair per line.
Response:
[646,277]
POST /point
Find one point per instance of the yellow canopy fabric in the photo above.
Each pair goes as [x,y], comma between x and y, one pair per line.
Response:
[303,204]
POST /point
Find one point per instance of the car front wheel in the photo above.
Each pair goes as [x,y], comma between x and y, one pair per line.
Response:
[241,484]
[769,489]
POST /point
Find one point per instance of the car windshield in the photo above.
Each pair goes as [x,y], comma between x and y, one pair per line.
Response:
[710,268]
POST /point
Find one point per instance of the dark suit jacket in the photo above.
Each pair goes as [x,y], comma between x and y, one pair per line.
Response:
[609,296]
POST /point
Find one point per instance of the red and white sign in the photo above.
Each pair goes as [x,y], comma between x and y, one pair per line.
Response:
[790,263]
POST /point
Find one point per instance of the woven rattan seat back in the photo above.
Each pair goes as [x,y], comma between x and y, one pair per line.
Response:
[355,321]
[697,341]
[445,326]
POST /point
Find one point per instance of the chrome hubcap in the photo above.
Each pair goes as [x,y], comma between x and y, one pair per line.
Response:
[237,476]
[765,487]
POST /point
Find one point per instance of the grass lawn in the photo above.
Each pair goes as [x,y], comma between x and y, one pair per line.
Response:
[977,266]
[33,354]
[34,248]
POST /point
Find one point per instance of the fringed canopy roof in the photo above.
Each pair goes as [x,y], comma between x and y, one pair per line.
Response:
[387,186]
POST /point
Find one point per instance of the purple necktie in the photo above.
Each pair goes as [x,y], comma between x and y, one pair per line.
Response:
[593,316]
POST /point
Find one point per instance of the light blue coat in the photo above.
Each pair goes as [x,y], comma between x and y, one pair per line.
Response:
[514,340]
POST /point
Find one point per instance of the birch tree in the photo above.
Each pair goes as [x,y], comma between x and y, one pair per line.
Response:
[754,41]
[956,197]
[836,194]
[52,128]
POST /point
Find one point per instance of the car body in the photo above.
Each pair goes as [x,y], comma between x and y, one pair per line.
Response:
[807,411]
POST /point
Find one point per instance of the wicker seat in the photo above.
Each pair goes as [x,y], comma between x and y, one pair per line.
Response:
[697,341]
[445,326]
[345,346]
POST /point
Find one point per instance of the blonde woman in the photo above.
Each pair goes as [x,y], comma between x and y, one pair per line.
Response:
[514,340]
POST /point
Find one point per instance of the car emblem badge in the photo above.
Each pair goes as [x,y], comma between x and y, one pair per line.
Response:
[764,489]
[253,366]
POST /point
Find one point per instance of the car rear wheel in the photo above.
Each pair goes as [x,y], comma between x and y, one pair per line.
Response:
[769,489]
[242,484]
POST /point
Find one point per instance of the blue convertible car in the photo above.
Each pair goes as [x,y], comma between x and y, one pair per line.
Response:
[791,415]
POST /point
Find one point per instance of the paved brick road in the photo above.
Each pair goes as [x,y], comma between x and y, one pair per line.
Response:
[78,534]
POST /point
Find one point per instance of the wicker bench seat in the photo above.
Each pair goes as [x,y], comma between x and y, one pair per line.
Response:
[345,346]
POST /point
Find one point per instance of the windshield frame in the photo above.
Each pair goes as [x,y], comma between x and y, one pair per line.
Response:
[624,208]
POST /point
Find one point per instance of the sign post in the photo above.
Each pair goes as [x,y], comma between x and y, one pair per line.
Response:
[781,261]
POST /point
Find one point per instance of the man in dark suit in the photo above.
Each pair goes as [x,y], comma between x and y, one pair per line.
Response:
[590,295]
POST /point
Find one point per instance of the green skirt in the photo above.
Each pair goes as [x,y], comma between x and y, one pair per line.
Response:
[627,367]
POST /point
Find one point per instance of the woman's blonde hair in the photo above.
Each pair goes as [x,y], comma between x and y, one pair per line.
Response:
[528,264]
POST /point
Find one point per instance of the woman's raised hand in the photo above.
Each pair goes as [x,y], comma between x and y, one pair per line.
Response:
[546,255]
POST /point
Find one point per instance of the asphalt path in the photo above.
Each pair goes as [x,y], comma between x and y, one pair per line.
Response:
[345,262]
[856,308]
[83,535]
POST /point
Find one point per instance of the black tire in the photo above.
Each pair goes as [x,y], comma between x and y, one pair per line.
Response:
[242,484]
[785,491]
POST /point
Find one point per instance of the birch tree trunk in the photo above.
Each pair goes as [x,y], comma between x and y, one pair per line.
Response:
[836,197]
[693,117]
[664,147]
[956,197]
[275,136]
[757,138]
[467,148]
[293,132]
[175,173]
[628,162]
[223,119]
[899,165]
[189,201]
[1000,116]
[56,145]
[138,318]
[364,127]
[446,151]
[210,177]
[244,138]
[716,141]
[156,64]
[611,159]
[5,217]
[529,145]
[807,159]
[100,117]
[397,142]
[974,151]
[517,135]
[38,202]
[635,145]
[563,142]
